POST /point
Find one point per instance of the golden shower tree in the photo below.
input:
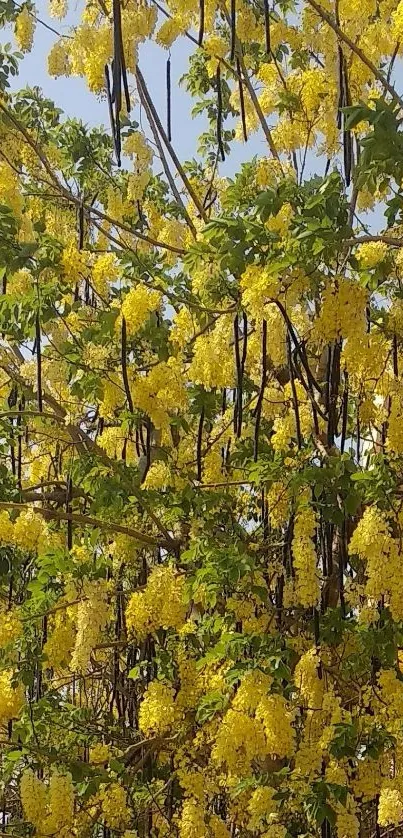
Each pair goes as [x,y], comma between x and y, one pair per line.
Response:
[201,494]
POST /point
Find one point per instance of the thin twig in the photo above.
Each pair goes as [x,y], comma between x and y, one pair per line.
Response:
[89,521]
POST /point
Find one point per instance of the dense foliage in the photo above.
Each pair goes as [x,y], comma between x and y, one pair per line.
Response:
[201,476]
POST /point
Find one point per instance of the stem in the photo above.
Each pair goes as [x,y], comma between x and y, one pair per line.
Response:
[88,520]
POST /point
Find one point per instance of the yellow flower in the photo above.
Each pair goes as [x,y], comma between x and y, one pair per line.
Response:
[157,712]
[137,307]
[390,807]
[161,604]
[24,29]
[370,254]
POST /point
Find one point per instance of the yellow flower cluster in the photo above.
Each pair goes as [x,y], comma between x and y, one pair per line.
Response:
[26,533]
[373,542]
[115,811]
[24,29]
[58,8]
[10,189]
[49,808]
[280,223]
[160,391]
[33,794]
[11,697]
[397,22]
[390,807]
[136,146]
[206,349]
[10,627]
[307,586]
[137,307]
[182,327]
[92,616]
[240,741]
[158,476]
[370,254]
[261,805]
[21,282]
[137,183]
[278,503]
[253,687]
[105,271]
[157,713]
[192,821]
[343,311]
[258,286]
[306,679]
[161,604]
[61,640]
[277,720]
[99,754]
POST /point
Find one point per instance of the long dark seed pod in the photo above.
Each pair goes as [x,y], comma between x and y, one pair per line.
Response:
[38,361]
[245,341]
[19,444]
[233,28]
[395,357]
[265,516]
[137,442]
[175,159]
[124,365]
[199,445]
[81,226]
[299,347]
[238,395]
[347,138]
[111,116]
[201,23]
[69,493]
[241,101]
[258,409]
[242,371]
[12,451]
[341,93]
[219,113]
[224,401]
[344,414]
[148,449]
[267,26]
[347,156]
[169,102]
[294,393]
